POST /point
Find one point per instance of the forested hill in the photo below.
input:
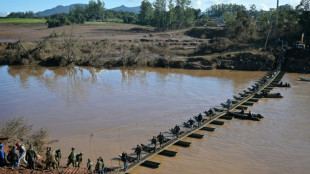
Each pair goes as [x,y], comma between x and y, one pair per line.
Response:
[66,9]
[123,8]
[58,9]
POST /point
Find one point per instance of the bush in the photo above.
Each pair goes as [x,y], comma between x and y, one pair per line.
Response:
[18,130]
[216,45]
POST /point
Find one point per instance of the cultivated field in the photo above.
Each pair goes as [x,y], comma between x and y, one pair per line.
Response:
[21,21]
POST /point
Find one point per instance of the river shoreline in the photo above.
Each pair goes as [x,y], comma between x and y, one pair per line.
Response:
[96,55]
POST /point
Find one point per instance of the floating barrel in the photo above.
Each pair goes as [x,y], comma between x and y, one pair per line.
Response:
[226,117]
[217,122]
[150,164]
[248,103]
[182,143]
[168,153]
[242,107]
[253,100]
[208,128]
[198,136]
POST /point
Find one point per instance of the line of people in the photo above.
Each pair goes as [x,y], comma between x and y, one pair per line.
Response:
[18,154]
[138,151]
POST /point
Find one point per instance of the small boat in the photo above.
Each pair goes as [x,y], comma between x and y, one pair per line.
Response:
[253,100]
[168,153]
[172,130]
[242,107]
[237,98]
[273,95]
[129,158]
[226,117]
[147,148]
[218,110]
[188,125]
[217,122]
[150,164]
[243,116]
[304,79]
[248,92]
[243,95]
[182,143]
[211,129]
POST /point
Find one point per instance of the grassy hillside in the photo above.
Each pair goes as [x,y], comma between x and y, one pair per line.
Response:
[21,21]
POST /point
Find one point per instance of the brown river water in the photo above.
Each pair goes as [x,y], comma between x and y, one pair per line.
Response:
[104,112]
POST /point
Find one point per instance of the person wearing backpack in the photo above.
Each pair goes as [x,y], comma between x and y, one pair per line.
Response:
[72,158]
[2,156]
[31,157]
[58,157]
[103,165]
[125,160]
[98,167]
[13,158]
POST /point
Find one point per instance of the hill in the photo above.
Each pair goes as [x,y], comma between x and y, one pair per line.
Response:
[127,9]
[58,9]
[66,9]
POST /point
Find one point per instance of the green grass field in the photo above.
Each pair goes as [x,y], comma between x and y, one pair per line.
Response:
[21,21]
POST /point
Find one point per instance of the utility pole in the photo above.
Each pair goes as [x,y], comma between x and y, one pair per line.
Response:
[276,23]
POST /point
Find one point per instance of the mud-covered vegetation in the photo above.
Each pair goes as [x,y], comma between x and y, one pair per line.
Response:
[19,130]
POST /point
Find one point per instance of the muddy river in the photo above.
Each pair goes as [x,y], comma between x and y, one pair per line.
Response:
[104,112]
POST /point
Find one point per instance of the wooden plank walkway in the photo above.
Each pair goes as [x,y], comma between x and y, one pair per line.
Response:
[205,123]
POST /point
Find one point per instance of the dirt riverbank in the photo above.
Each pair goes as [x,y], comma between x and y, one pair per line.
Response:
[116,45]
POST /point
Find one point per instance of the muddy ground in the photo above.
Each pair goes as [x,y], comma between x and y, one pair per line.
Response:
[123,45]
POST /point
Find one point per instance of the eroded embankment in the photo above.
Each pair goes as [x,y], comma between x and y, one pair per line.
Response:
[109,54]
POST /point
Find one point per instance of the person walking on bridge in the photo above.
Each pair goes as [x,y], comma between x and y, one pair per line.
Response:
[199,119]
[138,151]
[161,139]
[177,130]
[125,160]
[228,104]
[154,142]
[191,123]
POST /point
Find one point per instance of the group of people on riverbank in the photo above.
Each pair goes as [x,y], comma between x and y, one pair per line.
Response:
[14,158]
[29,157]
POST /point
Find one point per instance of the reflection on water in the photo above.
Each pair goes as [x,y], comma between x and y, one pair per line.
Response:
[104,112]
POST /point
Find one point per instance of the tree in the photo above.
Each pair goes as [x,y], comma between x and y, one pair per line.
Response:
[184,13]
[253,11]
[218,10]
[160,15]
[94,11]
[77,15]
[241,25]
[304,5]
[171,15]
[146,13]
